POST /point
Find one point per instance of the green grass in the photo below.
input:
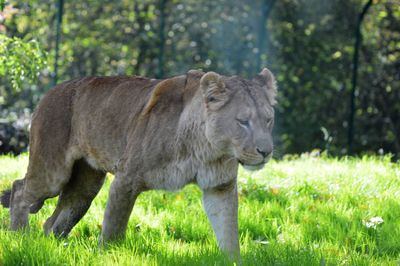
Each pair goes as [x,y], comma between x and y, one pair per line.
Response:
[297,211]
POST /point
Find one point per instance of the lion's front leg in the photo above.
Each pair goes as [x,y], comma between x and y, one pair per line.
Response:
[123,193]
[221,206]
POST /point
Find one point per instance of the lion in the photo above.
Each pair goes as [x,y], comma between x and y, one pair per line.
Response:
[151,134]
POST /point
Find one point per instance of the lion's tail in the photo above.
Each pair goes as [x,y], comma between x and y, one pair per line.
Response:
[5,198]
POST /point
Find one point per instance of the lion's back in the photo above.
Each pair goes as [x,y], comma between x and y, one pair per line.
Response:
[86,111]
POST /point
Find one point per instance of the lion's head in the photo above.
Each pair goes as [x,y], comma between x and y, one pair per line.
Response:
[240,116]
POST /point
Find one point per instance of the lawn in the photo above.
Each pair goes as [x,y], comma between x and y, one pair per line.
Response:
[297,211]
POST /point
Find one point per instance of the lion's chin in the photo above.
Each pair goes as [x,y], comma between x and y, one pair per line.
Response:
[252,167]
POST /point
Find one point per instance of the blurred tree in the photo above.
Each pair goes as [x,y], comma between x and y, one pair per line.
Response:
[378,93]
[19,59]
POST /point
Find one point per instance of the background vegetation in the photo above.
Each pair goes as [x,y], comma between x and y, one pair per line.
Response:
[309,45]
[297,211]
[300,210]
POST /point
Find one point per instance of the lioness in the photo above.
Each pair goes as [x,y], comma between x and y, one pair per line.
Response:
[151,134]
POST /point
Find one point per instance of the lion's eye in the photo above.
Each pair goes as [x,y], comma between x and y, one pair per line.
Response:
[211,99]
[244,123]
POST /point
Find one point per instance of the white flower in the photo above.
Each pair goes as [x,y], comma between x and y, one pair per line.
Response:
[376,220]
[373,222]
[262,242]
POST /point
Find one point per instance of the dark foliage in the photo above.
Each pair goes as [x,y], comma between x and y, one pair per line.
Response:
[12,139]
[309,45]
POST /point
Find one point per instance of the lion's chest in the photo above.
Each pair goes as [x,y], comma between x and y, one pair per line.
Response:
[172,176]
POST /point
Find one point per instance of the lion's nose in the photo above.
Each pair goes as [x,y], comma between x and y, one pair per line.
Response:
[263,153]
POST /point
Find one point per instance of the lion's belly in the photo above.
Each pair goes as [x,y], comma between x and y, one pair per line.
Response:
[172,177]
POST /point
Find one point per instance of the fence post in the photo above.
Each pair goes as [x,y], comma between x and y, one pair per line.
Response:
[267,6]
[357,44]
[60,9]
[160,71]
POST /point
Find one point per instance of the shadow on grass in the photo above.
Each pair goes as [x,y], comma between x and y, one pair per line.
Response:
[275,254]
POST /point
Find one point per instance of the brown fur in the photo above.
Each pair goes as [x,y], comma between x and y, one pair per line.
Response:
[163,88]
[152,134]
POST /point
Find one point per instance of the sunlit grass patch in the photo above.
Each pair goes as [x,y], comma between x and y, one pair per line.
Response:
[298,211]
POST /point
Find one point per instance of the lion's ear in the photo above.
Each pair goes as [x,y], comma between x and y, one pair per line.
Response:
[266,79]
[213,88]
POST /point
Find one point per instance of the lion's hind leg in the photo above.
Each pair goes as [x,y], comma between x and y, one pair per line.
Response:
[22,201]
[19,206]
[75,198]
[42,181]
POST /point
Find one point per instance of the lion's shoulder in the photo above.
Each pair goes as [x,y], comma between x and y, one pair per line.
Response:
[165,92]
[173,90]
